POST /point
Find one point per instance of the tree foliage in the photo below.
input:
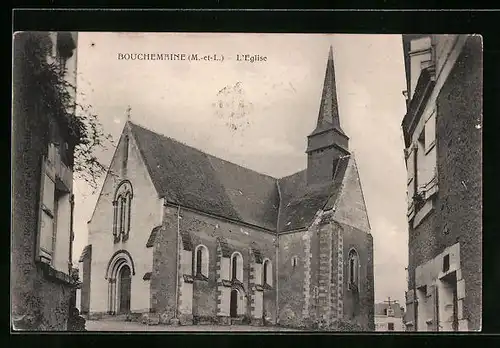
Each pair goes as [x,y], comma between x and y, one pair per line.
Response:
[43,83]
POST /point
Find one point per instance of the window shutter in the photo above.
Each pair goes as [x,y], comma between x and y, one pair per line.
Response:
[430,131]
[46,232]
[410,164]
[409,316]
[432,308]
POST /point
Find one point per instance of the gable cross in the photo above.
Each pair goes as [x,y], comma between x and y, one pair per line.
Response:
[389,301]
[129,109]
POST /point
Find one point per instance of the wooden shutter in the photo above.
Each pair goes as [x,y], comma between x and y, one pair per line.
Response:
[430,131]
[409,316]
[47,213]
[432,303]
[410,168]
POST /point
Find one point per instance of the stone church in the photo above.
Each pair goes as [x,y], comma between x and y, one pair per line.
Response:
[192,238]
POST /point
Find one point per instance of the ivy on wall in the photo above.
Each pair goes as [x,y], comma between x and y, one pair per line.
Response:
[42,87]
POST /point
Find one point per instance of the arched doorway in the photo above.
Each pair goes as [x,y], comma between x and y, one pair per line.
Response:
[233,305]
[125,285]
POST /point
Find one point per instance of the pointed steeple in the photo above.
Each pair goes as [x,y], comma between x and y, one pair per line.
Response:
[328,142]
[328,111]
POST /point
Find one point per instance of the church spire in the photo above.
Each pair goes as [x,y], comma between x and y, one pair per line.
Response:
[328,111]
[328,142]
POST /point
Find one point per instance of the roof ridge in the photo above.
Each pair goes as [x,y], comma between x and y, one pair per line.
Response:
[287,176]
[201,151]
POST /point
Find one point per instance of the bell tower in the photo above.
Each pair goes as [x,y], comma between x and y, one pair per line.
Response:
[328,142]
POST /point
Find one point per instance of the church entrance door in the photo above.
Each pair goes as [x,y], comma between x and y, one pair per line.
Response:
[125,285]
[233,306]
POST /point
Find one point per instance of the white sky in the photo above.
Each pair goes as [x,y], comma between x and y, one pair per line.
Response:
[176,98]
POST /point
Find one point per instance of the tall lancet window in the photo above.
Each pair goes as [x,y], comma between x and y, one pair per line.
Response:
[237,266]
[267,273]
[201,261]
[353,271]
[122,205]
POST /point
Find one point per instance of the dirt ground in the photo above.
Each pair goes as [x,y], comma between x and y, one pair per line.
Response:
[108,325]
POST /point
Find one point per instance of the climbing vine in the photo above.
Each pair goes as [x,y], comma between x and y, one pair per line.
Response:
[42,86]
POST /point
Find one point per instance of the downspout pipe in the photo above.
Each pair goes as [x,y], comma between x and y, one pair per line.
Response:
[71,233]
[277,252]
[177,264]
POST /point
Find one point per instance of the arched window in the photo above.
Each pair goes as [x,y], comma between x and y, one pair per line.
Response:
[237,266]
[353,271]
[294,261]
[201,261]
[122,208]
[267,273]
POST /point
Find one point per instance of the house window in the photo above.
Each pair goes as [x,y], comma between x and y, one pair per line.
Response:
[47,230]
[122,210]
[201,261]
[55,217]
[236,266]
[411,170]
[390,326]
[199,258]
[385,311]
[267,275]
[353,271]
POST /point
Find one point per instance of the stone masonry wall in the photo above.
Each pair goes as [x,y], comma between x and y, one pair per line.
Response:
[162,282]
[363,312]
[146,213]
[337,271]
[85,291]
[31,293]
[210,298]
[293,281]
[325,270]
[459,149]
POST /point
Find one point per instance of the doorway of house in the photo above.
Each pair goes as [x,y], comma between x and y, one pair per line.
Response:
[233,306]
[125,285]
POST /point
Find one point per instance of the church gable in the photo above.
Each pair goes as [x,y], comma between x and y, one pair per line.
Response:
[350,205]
[111,180]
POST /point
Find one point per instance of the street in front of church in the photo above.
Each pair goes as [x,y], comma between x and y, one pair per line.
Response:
[112,325]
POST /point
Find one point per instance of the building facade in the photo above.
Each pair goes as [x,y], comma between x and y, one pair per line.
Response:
[43,142]
[389,317]
[185,236]
[442,133]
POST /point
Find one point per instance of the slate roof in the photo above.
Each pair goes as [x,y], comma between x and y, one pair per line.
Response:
[300,201]
[194,179]
[191,178]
